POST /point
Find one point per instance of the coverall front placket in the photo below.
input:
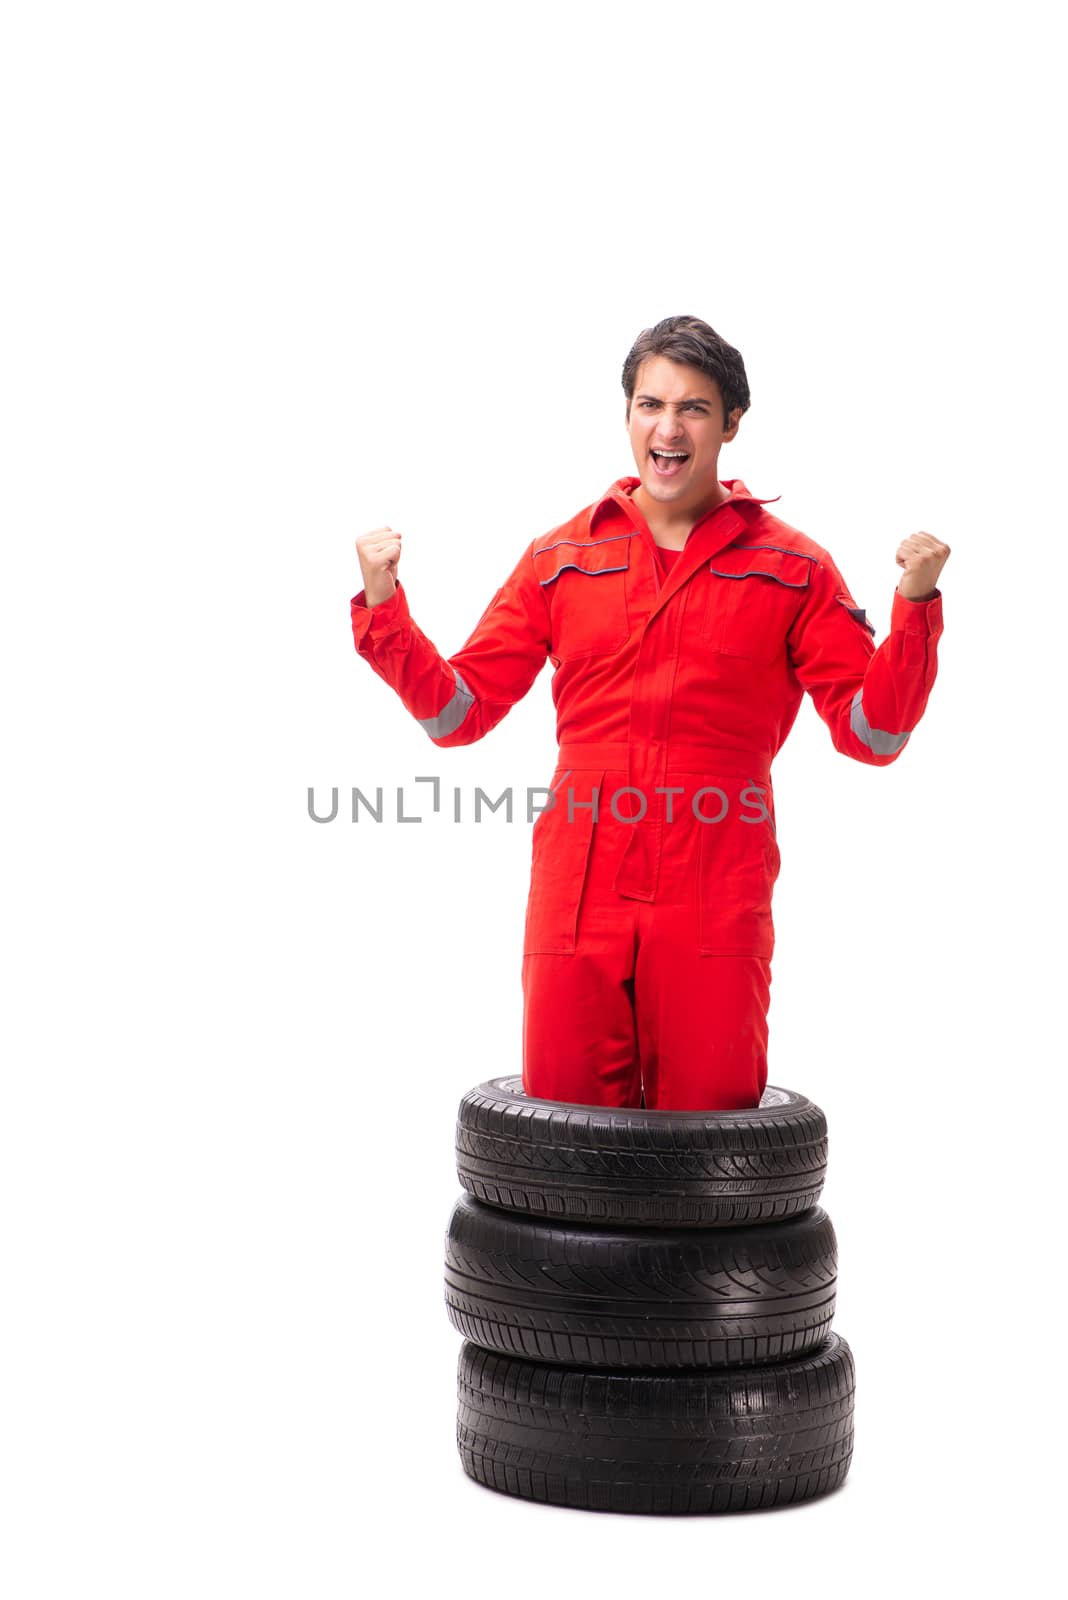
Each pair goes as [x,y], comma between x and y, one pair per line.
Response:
[649,747]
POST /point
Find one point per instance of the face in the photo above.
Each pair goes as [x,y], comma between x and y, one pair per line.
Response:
[679,410]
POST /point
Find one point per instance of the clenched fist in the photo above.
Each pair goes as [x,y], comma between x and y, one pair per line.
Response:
[923,558]
[379,552]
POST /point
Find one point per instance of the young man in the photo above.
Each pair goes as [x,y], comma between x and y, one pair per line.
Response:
[684,622]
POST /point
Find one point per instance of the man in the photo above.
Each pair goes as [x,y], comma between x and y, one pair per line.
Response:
[684,622]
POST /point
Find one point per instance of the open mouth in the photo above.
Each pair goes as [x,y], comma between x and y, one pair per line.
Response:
[668,463]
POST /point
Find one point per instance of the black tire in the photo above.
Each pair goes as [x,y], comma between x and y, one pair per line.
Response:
[610,1297]
[691,1169]
[650,1443]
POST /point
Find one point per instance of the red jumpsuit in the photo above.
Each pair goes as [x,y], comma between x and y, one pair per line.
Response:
[648,939]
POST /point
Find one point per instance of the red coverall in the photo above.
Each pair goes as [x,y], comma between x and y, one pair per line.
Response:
[649,936]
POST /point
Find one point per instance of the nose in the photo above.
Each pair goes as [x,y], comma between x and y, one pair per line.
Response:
[668,428]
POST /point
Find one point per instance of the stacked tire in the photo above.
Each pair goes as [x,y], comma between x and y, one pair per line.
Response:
[646,1301]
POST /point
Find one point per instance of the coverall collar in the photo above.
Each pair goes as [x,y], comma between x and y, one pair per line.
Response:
[620,494]
[710,533]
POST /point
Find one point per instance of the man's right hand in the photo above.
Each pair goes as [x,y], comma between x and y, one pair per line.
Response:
[379,552]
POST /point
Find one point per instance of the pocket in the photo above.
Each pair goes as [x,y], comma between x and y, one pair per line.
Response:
[738,863]
[585,586]
[560,854]
[752,597]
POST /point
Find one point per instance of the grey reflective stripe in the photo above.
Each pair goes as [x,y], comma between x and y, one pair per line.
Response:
[449,719]
[613,538]
[883,744]
[785,548]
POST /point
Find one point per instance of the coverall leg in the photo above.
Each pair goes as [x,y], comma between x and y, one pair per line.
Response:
[636,1007]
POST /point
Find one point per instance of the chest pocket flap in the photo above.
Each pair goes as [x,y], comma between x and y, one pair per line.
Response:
[788,567]
[591,556]
[752,597]
[585,584]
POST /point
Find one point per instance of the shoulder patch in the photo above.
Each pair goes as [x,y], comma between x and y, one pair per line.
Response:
[856,612]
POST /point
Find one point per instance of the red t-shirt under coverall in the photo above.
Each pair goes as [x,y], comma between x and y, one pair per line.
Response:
[648,939]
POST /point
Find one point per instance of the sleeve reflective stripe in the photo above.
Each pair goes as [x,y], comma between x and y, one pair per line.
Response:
[449,719]
[883,744]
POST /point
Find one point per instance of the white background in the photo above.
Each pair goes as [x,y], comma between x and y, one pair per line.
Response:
[277,275]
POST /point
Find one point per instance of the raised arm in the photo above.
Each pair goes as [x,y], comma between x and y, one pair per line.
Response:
[455,699]
[871,698]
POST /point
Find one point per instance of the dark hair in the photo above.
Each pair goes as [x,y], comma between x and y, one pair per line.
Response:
[692,343]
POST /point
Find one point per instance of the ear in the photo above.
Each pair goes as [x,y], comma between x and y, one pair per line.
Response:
[735,418]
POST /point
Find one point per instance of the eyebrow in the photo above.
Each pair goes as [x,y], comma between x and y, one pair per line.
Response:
[690,399]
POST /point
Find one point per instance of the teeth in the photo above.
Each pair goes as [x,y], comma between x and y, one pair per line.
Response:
[671,454]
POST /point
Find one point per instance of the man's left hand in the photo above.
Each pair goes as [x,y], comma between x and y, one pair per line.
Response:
[923,558]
